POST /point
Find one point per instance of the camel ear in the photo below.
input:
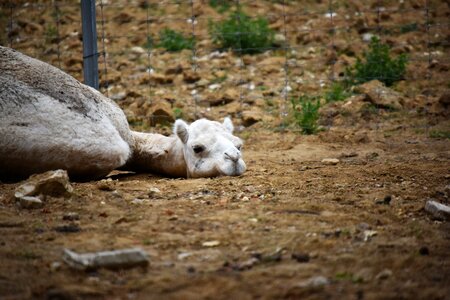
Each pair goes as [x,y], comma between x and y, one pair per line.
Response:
[228,124]
[181,130]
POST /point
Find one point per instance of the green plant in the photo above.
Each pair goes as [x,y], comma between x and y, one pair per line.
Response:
[440,134]
[178,113]
[377,64]
[242,33]
[409,27]
[51,33]
[306,113]
[221,5]
[337,92]
[174,41]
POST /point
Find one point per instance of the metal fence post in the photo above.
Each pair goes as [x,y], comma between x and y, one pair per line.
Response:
[90,54]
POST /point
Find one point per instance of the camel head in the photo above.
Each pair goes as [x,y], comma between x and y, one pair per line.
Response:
[210,148]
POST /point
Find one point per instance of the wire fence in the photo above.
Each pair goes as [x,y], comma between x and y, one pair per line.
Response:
[314,42]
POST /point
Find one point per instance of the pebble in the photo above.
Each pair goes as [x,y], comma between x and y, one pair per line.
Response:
[316,281]
[385,274]
[154,192]
[71,216]
[330,161]
[211,244]
[438,210]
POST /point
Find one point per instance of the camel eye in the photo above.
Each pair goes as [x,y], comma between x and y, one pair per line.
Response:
[239,147]
[197,148]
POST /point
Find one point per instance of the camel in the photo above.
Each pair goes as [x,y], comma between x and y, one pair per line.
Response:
[49,120]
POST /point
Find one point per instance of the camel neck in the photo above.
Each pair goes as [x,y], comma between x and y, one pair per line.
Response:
[157,153]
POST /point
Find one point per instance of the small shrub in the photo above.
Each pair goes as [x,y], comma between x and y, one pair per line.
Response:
[174,41]
[242,33]
[178,113]
[337,92]
[377,64]
[306,113]
[440,134]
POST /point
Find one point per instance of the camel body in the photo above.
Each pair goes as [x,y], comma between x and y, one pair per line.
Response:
[49,120]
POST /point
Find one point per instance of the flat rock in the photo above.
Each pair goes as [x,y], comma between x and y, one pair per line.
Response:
[30,202]
[438,210]
[52,183]
[330,161]
[116,259]
[316,281]
[381,95]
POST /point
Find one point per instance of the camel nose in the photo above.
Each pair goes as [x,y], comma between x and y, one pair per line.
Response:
[233,155]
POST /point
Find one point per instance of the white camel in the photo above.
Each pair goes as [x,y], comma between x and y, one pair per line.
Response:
[49,120]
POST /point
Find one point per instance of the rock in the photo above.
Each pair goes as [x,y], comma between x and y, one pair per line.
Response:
[381,95]
[250,117]
[153,192]
[438,210]
[137,50]
[118,96]
[367,37]
[116,259]
[191,76]
[71,216]
[229,96]
[316,281]
[385,274]
[52,183]
[386,200]
[272,64]
[161,113]
[123,18]
[211,244]
[330,161]
[279,40]
[30,202]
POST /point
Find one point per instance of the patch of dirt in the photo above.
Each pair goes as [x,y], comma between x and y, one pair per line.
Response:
[287,201]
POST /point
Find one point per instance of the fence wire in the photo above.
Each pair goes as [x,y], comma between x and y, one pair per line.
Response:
[314,42]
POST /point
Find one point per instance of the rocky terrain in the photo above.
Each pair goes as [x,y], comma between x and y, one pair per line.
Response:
[338,214]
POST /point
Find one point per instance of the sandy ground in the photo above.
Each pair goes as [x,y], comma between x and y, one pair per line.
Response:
[299,217]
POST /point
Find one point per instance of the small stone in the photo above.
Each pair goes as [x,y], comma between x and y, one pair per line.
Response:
[154,192]
[211,244]
[367,37]
[30,202]
[438,210]
[385,274]
[316,281]
[330,161]
[137,50]
[118,96]
[71,216]
[55,266]
[279,40]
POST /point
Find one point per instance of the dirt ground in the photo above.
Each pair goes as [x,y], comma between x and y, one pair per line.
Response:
[291,227]
[305,219]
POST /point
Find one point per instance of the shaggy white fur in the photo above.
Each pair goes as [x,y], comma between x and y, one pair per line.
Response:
[49,120]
